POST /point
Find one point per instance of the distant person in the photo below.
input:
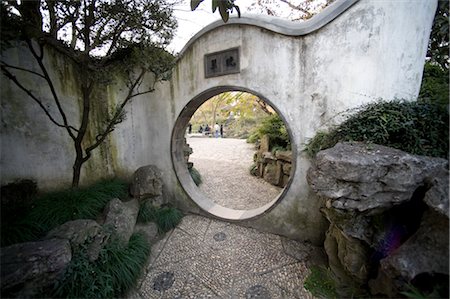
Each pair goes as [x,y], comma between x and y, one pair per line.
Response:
[200,129]
[221,131]
[190,128]
[216,130]
[207,129]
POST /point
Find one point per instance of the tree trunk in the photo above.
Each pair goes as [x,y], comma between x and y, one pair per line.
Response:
[76,172]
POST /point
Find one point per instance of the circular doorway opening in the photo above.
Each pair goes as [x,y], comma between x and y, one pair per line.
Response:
[240,180]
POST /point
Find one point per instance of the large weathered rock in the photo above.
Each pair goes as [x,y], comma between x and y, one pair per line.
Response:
[361,177]
[29,268]
[376,198]
[121,218]
[348,257]
[146,182]
[270,174]
[426,252]
[284,155]
[437,196]
[149,230]
[76,231]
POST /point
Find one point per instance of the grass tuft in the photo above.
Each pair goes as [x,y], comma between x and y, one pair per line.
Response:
[321,283]
[196,176]
[110,276]
[166,218]
[53,209]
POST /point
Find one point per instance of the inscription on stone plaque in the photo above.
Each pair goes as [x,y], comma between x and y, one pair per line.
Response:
[222,63]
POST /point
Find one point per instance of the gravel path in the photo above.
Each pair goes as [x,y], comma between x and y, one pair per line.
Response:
[224,164]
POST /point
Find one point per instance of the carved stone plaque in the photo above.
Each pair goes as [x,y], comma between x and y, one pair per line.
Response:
[222,63]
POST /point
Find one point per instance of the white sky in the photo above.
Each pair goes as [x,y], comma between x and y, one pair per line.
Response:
[191,22]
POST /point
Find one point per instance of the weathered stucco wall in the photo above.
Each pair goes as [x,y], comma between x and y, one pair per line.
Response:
[375,49]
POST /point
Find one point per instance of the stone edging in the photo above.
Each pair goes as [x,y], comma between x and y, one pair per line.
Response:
[279,25]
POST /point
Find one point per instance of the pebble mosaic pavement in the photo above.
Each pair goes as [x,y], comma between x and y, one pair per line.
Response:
[207,258]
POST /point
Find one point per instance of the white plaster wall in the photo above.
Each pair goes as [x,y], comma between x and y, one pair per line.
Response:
[376,49]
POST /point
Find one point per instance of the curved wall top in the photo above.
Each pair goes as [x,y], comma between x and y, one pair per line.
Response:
[279,25]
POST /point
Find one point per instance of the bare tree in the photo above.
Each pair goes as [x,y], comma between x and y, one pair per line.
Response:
[128,36]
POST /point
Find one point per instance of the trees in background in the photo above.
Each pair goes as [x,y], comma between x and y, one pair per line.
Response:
[435,87]
[291,9]
[98,37]
[238,111]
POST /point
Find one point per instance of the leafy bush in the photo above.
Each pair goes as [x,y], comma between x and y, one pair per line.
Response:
[110,276]
[415,127]
[165,218]
[272,126]
[196,176]
[53,209]
[434,88]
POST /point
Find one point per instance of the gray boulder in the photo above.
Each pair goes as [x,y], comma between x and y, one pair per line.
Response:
[121,218]
[375,198]
[149,230]
[360,177]
[76,231]
[426,252]
[27,269]
[146,182]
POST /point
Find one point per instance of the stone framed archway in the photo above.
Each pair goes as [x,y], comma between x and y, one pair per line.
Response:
[183,175]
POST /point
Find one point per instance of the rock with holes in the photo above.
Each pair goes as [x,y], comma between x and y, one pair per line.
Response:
[388,214]
[121,218]
[358,176]
[29,269]
[424,256]
[146,182]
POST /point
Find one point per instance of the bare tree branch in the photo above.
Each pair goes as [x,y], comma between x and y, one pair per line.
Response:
[13,78]
[20,69]
[298,7]
[115,120]
[50,84]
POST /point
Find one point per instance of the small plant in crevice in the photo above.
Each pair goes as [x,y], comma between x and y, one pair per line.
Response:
[114,272]
[166,218]
[419,128]
[320,283]
[253,169]
[196,176]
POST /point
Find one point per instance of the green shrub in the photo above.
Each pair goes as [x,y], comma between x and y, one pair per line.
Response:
[434,87]
[196,176]
[415,127]
[272,126]
[165,218]
[55,208]
[110,276]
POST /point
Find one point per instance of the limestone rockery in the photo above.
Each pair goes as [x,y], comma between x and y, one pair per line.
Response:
[389,219]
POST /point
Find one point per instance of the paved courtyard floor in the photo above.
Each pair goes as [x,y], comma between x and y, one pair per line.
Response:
[206,258]
[224,164]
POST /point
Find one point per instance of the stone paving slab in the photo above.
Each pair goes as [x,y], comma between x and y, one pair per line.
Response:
[207,258]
